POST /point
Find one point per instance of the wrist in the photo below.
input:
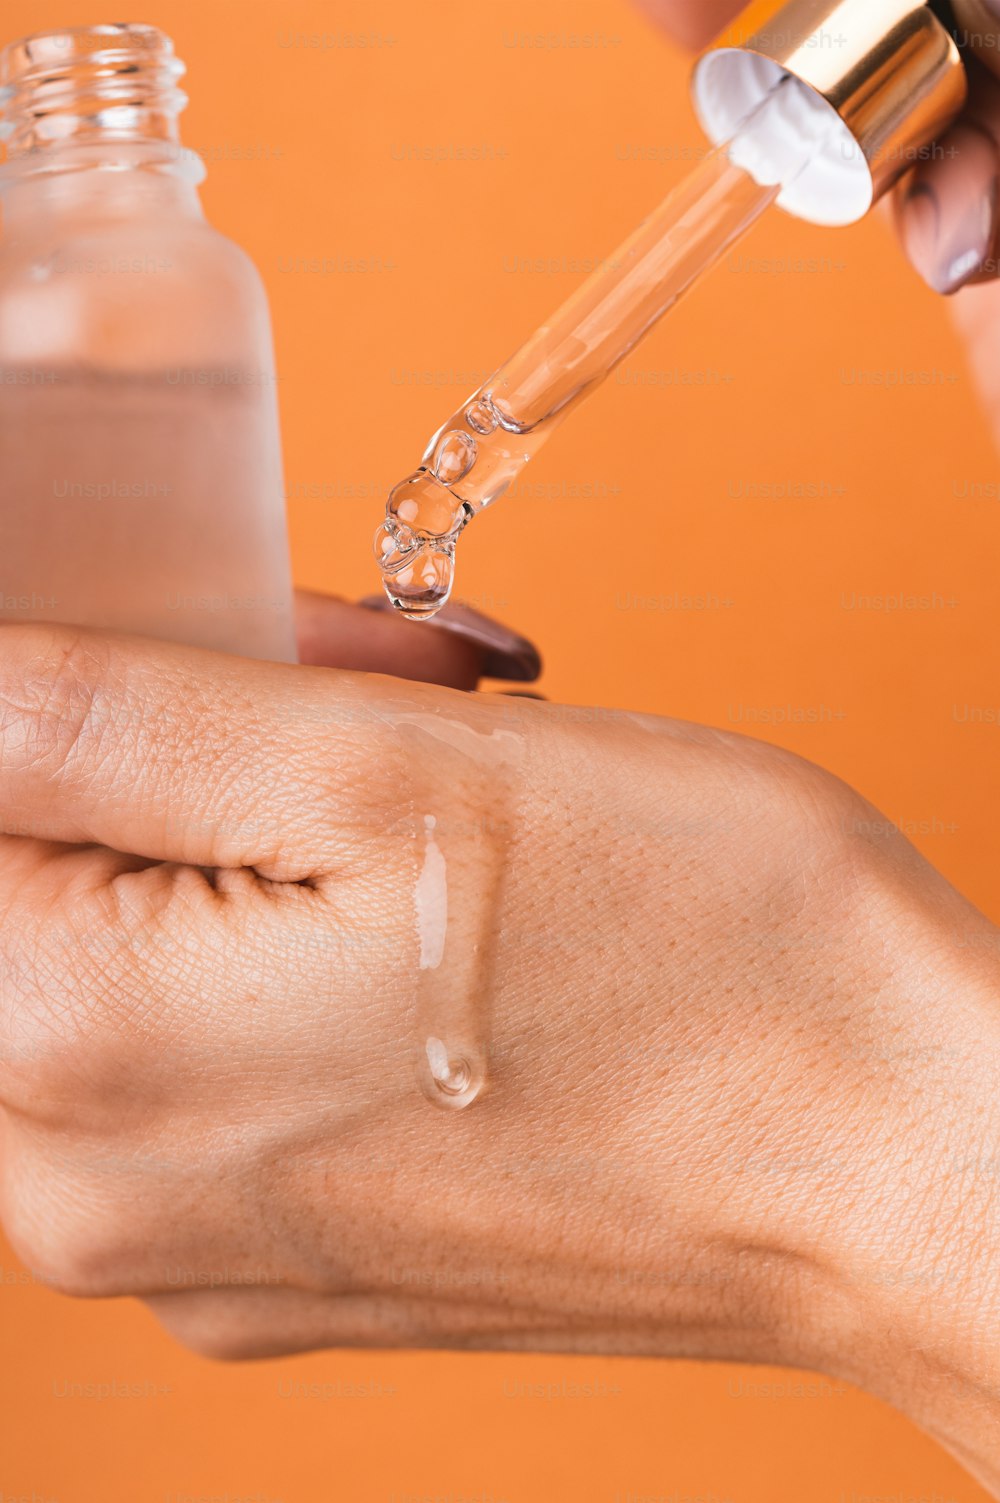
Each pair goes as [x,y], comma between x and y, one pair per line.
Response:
[922,1264]
[777,1111]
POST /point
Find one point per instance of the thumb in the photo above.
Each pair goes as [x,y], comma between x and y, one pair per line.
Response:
[977,317]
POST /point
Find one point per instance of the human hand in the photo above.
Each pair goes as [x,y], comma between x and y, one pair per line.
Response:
[743,1040]
[948,209]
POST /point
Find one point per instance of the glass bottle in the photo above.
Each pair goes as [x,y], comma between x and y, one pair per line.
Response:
[140,459]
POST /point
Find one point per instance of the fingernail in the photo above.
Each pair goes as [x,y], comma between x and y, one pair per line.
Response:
[949,216]
[505,654]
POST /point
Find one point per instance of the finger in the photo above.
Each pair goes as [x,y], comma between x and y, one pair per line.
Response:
[456,649]
[948,209]
[240,1323]
[504,653]
[178,754]
[692,22]
[334,634]
[979,30]
[977,318]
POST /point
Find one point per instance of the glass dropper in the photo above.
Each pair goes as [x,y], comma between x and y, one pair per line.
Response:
[477,454]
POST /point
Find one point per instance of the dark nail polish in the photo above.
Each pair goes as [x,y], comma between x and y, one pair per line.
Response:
[506,655]
[948,219]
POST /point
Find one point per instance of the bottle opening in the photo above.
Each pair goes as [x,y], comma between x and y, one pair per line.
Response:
[117,82]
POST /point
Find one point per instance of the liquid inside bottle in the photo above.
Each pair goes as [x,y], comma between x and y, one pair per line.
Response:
[114,509]
[140,459]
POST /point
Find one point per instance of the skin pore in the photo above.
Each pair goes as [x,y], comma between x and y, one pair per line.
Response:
[742,1038]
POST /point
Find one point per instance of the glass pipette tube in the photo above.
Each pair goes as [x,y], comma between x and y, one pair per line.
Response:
[476,455]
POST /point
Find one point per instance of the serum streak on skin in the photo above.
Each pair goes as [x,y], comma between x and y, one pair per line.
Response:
[450,1077]
[467,777]
[432,900]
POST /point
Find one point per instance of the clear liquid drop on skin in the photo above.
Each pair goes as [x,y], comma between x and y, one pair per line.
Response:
[463,853]
[452,1069]
[482,448]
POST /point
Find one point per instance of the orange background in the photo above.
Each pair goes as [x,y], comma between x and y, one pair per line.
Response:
[321,150]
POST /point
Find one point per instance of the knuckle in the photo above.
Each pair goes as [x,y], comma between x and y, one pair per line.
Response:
[834,834]
[224,1343]
[60,1002]
[67,1242]
[50,700]
[78,1269]
[800,818]
[805,797]
[99,999]
[208,1325]
[39,1056]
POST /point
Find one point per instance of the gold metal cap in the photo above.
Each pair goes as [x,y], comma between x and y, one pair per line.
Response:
[889,68]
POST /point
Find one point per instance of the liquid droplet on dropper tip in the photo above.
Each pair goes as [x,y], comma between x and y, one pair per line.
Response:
[421,583]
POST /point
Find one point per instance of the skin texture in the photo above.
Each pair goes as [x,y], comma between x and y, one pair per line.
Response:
[744,1040]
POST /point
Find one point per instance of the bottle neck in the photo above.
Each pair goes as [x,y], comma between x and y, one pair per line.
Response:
[93,111]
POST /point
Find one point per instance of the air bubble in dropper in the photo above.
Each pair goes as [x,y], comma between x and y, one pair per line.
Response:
[454,457]
[480,417]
